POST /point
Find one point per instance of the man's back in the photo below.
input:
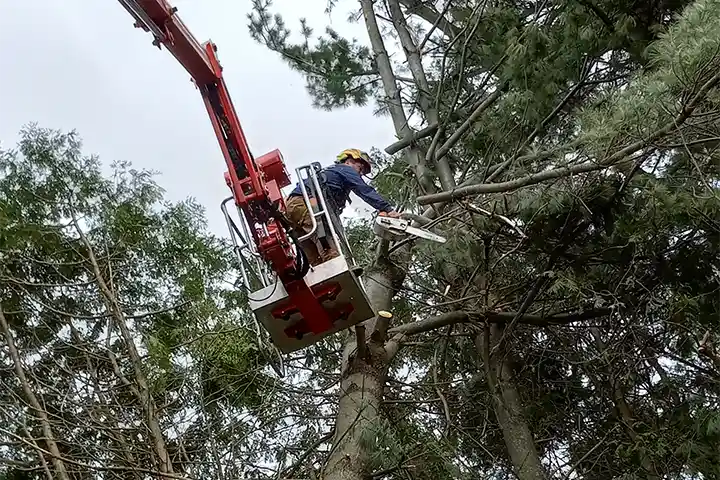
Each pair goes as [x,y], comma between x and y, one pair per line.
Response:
[340,180]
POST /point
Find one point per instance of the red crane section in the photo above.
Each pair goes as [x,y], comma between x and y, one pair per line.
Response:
[255,183]
[158,17]
[200,61]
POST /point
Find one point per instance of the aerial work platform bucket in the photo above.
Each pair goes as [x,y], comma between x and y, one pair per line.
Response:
[339,290]
[333,282]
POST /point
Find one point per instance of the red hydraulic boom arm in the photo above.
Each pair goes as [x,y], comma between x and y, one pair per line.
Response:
[255,184]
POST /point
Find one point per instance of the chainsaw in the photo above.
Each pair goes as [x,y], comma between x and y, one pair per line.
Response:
[395,229]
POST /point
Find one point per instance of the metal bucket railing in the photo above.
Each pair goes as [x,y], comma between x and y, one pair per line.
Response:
[246,251]
[332,221]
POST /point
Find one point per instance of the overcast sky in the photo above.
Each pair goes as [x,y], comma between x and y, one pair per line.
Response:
[80,64]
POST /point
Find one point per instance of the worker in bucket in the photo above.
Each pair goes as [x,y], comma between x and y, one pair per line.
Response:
[339,180]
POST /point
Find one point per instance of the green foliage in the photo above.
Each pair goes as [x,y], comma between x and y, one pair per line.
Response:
[583,79]
[361,239]
[339,72]
[403,443]
[393,180]
[680,61]
[231,368]
[14,474]
[616,270]
[93,268]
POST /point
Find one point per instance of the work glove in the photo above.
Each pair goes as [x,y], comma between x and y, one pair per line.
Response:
[390,214]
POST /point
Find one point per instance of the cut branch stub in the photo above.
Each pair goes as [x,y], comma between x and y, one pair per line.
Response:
[382,323]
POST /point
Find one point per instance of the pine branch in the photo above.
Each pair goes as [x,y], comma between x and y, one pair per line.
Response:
[430,15]
[562,172]
[451,318]
[290,471]
[474,116]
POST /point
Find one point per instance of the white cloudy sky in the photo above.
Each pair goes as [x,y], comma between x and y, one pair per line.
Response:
[80,64]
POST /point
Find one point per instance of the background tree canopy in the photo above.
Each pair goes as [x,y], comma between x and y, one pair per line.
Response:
[568,149]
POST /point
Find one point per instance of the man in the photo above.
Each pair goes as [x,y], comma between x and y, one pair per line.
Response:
[343,177]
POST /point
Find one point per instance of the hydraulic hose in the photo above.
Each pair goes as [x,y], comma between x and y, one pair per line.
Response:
[302,264]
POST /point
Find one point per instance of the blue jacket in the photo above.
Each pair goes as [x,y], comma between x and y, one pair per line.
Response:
[340,180]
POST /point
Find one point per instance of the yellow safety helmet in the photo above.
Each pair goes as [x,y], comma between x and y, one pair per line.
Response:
[356,154]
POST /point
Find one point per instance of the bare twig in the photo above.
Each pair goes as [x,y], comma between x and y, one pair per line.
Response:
[290,471]
[105,468]
[446,407]
[57,461]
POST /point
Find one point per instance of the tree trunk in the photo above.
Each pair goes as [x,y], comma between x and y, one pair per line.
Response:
[413,155]
[143,390]
[424,99]
[115,435]
[508,408]
[362,386]
[363,378]
[49,439]
[358,419]
[618,397]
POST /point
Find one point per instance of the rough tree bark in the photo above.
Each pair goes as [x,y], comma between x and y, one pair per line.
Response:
[508,408]
[363,383]
[58,464]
